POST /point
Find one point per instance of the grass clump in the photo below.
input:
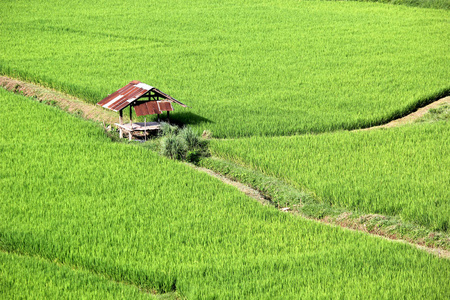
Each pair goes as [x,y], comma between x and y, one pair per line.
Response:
[173,146]
[166,129]
[182,144]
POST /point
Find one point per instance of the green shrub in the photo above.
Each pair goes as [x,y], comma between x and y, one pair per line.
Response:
[166,129]
[193,156]
[173,146]
[184,144]
[190,137]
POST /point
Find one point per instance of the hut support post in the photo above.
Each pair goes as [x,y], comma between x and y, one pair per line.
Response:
[131,117]
[168,118]
[131,123]
[121,123]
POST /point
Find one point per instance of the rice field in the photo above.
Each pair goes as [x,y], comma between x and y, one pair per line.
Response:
[399,171]
[23,277]
[69,195]
[84,217]
[256,68]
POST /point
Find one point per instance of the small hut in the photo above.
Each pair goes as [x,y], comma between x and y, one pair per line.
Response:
[145,99]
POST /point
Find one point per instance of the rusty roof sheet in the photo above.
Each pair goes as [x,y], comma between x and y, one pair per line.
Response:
[153,107]
[134,90]
[125,96]
[165,105]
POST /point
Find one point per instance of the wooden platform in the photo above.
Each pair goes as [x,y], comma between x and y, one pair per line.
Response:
[140,127]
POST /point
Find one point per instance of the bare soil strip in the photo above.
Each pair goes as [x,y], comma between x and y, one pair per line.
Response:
[408,119]
[240,186]
[64,101]
[97,113]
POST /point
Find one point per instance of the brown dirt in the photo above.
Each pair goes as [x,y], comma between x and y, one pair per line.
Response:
[412,116]
[240,186]
[64,101]
[97,113]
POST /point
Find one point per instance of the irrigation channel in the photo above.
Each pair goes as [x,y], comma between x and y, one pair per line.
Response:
[96,113]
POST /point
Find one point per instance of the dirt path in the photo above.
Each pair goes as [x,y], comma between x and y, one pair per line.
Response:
[97,113]
[412,116]
[66,102]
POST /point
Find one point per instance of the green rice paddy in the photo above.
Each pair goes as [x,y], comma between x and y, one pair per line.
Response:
[69,195]
[245,68]
[278,82]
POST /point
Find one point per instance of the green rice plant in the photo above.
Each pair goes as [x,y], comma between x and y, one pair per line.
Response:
[23,277]
[245,69]
[399,171]
[68,194]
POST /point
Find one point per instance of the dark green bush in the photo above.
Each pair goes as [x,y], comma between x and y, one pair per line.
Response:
[193,156]
[184,144]
[167,129]
[173,146]
[191,138]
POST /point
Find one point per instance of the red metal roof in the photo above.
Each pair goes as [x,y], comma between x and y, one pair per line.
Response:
[127,95]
